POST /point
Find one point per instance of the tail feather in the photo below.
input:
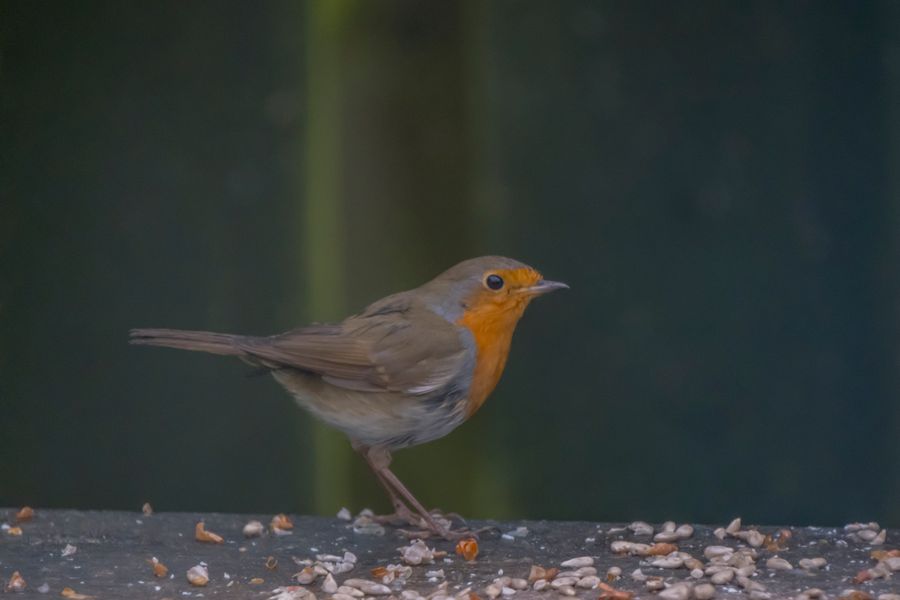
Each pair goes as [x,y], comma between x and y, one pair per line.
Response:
[200,341]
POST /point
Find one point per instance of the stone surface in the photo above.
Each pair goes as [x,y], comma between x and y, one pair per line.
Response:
[113,550]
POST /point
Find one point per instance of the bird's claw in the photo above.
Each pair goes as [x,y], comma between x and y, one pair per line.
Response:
[448,534]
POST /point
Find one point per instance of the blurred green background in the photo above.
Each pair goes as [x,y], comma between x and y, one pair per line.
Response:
[719,182]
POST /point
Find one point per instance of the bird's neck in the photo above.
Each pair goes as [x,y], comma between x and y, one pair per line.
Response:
[492,327]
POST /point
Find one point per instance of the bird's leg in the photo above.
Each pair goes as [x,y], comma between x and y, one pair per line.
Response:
[402,513]
[379,459]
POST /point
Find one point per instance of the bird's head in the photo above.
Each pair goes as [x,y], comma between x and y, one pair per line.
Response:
[487,288]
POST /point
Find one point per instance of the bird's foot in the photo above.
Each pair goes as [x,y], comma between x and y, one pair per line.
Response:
[440,525]
[400,516]
[448,534]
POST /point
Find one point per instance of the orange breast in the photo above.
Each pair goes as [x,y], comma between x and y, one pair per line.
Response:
[492,327]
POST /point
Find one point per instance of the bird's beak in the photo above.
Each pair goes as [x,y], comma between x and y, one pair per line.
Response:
[544,286]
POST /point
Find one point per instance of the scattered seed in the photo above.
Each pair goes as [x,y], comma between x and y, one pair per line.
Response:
[517,583]
[778,564]
[750,585]
[704,591]
[753,537]
[305,576]
[518,532]
[281,524]
[589,582]
[26,513]
[257,581]
[561,581]
[344,514]
[661,549]
[329,585]
[147,510]
[350,591]
[668,562]
[678,591]
[253,529]
[607,592]
[16,583]
[722,577]
[14,531]
[198,575]
[613,573]
[365,525]
[641,528]
[866,535]
[417,553]
[812,563]
[734,526]
[567,590]
[69,550]
[539,573]
[717,552]
[623,547]
[855,595]
[202,535]
[685,531]
[540,584]
[467,548]
[581,561]
[159,569]
[71,594]
[654,584]
[369,587]
[271,563]
[720,533]
[692,563]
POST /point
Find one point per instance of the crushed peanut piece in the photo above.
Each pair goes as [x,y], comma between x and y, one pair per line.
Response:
[198,575]
[26,513]
[16,583]
[661,549]
[159,569]
[282,522]
[608,592]
[467,548]
[202,535]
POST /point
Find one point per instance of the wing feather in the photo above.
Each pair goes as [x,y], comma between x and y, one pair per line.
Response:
[393,346]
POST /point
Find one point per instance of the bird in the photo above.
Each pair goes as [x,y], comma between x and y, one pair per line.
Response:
[408,369]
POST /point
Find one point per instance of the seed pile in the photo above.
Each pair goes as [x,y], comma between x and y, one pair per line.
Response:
[273,558]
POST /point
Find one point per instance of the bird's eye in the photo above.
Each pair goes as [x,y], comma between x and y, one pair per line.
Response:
[495,282]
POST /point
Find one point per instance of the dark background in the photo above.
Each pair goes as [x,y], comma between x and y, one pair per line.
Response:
[718,182]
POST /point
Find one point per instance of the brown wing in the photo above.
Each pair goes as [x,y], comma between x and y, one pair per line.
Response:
[393,346]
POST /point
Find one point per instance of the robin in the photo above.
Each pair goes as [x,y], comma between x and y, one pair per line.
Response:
[408,369]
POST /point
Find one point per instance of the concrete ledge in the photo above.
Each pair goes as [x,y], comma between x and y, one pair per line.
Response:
[112,550]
